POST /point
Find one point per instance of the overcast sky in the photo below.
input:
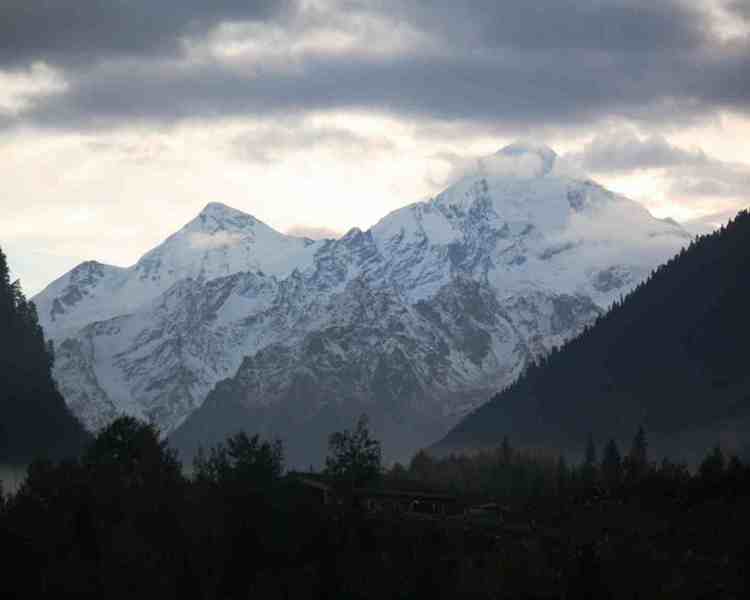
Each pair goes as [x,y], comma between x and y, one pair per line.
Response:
[121,119]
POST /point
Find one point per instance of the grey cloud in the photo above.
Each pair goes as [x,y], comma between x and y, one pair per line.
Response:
[82,31]
[610,25]
[708,223]
[702,188]
[713,179]
[533,90]
[144,152]
[625,151]
[740,7]
[270,143]
[692,173]
[508,66]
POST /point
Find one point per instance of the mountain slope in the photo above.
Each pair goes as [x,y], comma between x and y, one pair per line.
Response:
[34,421]
[220,241]
[671,356]
[415,321]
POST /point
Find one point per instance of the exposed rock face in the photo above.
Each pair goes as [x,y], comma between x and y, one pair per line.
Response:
[415,321]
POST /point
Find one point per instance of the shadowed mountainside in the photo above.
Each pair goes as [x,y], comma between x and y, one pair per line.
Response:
[671,356]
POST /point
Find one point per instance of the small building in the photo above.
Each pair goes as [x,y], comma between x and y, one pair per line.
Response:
[316,488]
[402,496]
[408,501]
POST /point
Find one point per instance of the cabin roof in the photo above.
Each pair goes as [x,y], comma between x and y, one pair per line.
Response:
[384,488]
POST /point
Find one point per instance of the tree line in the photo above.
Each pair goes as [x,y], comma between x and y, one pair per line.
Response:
[124,519]
[508,474]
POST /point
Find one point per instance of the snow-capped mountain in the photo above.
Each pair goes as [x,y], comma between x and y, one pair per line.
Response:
[219,241]
[415,321]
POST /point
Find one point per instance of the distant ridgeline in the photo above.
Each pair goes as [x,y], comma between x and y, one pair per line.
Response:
[672,356]
[34,421]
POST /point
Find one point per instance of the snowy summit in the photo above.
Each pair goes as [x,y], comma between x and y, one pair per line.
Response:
[415,321]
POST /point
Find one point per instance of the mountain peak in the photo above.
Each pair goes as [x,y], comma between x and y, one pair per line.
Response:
[216,216]
[525,148]
[218,209]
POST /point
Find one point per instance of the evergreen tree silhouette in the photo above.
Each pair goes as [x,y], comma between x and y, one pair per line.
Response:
[35,421]
[563,476]
[506,451]
[636,464]
[713,466]
[588,469]
[611,464]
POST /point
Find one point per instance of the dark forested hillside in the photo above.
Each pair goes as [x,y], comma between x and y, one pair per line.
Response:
[34,420]
[672,356]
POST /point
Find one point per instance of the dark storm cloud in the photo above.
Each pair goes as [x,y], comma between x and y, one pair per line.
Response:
[516,90]
[505,65]
[64,31]
[601,25]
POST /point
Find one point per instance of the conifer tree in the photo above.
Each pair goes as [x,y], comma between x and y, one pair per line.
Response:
[637,461]
[712,467]
[563,475]
[506,451]
[588,470]
[422,466]
[611,464]
[590,451]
